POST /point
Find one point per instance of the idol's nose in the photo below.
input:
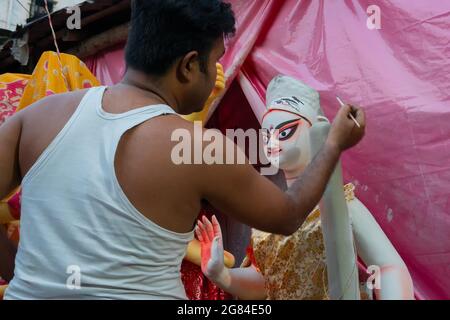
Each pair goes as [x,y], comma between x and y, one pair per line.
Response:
[273,151]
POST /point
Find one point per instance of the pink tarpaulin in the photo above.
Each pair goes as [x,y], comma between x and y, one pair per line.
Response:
[400,74]
[108,65]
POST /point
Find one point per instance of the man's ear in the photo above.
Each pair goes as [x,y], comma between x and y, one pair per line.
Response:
[188,66]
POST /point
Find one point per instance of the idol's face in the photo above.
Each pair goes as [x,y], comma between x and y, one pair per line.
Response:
[286,139]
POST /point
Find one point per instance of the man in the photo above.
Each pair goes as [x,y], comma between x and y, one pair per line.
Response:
[105,211]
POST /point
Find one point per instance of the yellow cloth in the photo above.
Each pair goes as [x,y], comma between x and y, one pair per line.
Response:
[2,291]
[12,77]
[52,76]
[294,267]
[5,214]
[217,91]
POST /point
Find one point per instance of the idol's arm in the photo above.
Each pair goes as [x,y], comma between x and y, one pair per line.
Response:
[375,249]
[244,283]
[194,255]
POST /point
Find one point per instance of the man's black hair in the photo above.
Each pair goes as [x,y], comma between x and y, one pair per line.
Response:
[162,31]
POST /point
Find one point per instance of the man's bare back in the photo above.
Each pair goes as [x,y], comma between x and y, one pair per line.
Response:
[143,165]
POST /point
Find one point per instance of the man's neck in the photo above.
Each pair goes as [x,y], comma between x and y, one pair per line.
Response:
[149,88]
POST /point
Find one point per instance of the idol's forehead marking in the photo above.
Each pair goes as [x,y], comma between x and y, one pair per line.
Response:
[290,101]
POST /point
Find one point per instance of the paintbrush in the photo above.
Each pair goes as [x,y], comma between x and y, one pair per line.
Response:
[351,116]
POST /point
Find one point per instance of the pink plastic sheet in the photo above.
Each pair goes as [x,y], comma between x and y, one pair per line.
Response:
[400,74]
[108,65]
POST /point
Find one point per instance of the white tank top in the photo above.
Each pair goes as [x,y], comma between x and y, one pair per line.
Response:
[81,238]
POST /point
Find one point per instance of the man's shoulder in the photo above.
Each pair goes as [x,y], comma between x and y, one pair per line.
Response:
[60,101]
[175,127]
[65,96]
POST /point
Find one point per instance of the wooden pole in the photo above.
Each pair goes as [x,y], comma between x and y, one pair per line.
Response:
[101,41]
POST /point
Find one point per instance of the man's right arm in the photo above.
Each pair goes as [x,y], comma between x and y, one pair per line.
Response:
[241,192]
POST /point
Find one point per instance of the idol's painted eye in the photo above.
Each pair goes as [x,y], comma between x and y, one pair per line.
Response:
[287,133]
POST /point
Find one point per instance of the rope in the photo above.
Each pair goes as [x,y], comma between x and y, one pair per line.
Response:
[56,44]
[51,27]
